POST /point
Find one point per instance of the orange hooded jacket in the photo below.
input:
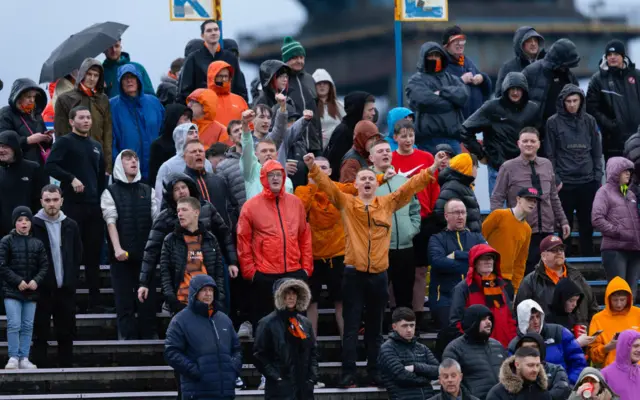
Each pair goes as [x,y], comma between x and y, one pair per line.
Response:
[273,234]
[211,131]
[230,106]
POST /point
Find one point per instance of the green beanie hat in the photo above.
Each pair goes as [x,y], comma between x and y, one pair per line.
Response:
[291,48]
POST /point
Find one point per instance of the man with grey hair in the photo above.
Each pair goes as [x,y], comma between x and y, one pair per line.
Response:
[450,378]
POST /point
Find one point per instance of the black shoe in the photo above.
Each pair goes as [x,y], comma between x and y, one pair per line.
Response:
[347,382]
[375,381]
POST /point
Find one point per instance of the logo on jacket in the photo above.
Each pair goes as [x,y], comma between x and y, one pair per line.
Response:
[95,150]
[410,172]
[25,178]
[550,341]
[632,80]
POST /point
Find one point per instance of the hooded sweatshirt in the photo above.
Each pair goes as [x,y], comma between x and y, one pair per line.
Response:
[269,70]
[230,106]
[395,115]
[112,75]
[328,122]
[521,60]
[611,322]
[623,376]
[604,386]
[565,289]
[211,131]
[163,148]
[54,229]
[358,156]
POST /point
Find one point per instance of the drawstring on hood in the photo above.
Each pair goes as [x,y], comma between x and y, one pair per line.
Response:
[180,136]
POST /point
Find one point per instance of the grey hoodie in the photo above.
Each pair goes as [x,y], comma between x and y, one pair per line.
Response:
[54,230]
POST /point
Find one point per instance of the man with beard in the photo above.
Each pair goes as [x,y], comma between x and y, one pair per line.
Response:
[521,377]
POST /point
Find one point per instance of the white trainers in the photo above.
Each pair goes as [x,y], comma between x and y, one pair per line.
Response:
[239,383]
[26,364]
[245,331]
[319,385]
[12,364]
[263,382]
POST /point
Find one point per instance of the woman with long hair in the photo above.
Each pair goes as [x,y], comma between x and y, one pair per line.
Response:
[330,110]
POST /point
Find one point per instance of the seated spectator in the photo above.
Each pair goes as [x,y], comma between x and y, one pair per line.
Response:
[230,106]
[618,315]
[562,348]
[365,134]
[563,310]
[592,382]
[479,356]
[484,285]
[450,378]
[204,104]
[521,375]
[622,375]
[167,90]
[407,367]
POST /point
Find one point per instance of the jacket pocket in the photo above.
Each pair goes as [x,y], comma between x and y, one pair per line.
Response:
[380,228]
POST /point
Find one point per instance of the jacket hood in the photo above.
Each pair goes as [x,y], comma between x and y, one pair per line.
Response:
[513,383]
[395,115]
[180,136]
[41,214]
[523,312]
[125,58]
[170,181]
[230,44]
[623,348]
[82,72]
[536,337]
[568,90]
[472,317]
[268,70]
[627,63]
[617,284]
[516,80]
[364,131]
[269,166]
[354,103]
[477,251]
[209,101]
[596,372]
[301,288]
[130,69]
[192,46]
[172,114]
[615,166]
[565,289]
[12,139]
[197,283]
[430,47]
[563,53]
[22,85]
[213,71]
[450,174]
[118,170]
[321,75]
[168,80]
[523,34]
[462,163]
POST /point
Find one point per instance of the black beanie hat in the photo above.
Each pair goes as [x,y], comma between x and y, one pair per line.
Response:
[449,32]
[21,211]
[615,46]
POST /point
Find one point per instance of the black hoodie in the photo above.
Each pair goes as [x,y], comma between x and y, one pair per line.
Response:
[163,148]
[565,289]
[20,182]
[269,70]
[521,60]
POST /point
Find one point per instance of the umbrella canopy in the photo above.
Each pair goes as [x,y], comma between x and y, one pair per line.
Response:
[87,43]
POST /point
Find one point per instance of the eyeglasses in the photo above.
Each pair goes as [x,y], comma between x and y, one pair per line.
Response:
[556,250]
[274,174]
[223,77]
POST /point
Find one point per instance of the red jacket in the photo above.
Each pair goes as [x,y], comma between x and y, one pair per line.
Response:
[273,234]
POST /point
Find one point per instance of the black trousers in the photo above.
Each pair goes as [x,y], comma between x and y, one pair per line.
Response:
[534,251]
[262,293]
[59,303]
[402,274]
[360,289]
[124,280]
[440,316]
[240,300]
[580,198]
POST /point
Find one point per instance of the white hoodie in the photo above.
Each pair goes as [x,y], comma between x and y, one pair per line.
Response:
[524,315]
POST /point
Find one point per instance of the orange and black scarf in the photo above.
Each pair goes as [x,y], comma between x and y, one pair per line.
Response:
[295,329]
[488,288]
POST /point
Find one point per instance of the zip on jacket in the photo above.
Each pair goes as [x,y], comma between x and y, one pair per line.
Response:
[284,235]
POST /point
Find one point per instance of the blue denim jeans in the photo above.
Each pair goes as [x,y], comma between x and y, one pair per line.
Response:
[493,175]
[430,144]
[20,315]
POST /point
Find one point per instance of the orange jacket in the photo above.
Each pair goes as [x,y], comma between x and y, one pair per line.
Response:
[327,232]
[230,106]
[273,233]
[368,227]
[211,131]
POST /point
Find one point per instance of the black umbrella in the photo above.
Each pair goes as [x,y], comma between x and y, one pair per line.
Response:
[87,43]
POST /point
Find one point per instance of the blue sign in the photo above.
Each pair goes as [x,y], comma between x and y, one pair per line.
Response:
[195,10]
[422,10]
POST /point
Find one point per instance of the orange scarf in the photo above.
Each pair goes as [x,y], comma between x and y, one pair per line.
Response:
[172,75]
[553,276]
[87,91]
[210,310]
[295,329]
[492,291]
[461,60]
[438,65]
[27,108]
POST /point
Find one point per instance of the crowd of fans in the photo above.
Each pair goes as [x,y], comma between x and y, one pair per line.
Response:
[241,215]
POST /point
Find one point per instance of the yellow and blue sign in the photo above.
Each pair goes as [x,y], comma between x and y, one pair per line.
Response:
[422,10]
[195,10]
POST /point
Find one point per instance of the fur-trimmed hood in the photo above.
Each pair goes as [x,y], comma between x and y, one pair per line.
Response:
[282,285]
[512,382]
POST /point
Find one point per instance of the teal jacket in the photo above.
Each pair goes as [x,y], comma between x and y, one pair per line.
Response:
[111,75]
[406,221]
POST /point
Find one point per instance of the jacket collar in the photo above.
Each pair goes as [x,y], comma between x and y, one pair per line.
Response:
[536,160]
[513,383]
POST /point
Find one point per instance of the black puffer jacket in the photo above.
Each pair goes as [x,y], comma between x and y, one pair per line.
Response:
[229,170]
[501,121]
[173,262]
[479,356]
[13,119]
[520,61]
[167,221]
[513,387]
[632,153]
[456,185]
[22,258]
[395,354]
[163,148]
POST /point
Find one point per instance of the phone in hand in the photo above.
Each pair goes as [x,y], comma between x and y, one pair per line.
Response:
[596,333]
[615,337]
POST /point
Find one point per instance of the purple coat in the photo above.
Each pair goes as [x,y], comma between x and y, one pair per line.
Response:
[622,376]
[615,215]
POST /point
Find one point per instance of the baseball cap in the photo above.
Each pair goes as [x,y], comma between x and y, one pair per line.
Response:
[446,148]
[550,242]
[592,376]
[529,192]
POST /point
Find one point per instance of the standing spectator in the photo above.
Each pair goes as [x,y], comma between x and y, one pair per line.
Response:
[449,260]
[500,121]
[507,231]
[540,284]
[529,170]
[564,307]
[528,45]
[484,285]
[89,93]
[164,147]
[330,109]
[232,46]
[274,79]
[204,104]
[78,162]
[20,180]
[136,117]
[207,360]
[393,117]
[365,134]
[230,105]
[62,85]
[521,375]
[293,148]
[456,182]
[115,59]
[192,46]
[454,41]
[619,314]
[632,153]
[438,98]
[61,238]
[168,88]
[128,208]
[622,374]
[478,354]
[265,126]
[359,106]
[613,96]
[575,151]
[229,167]
[23,116]
[615,214]
[215,154]
[198,59]
[23,267]
[450,379]
[285,345]
[591,380]
[407,367]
